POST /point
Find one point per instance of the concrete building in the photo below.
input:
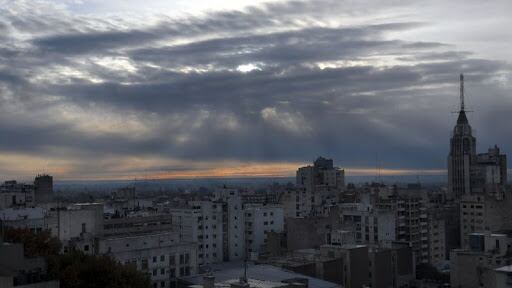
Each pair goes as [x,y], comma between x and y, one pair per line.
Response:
[412,222]
[483,213]
[385,266]
[34,219]
[436,239]
[462,153]
[162,255]
[16,270]
[355,271]
[343,237]
[139,224]
[311,232]
[474,266]
[489,174]
[370,225]
[76,221]
[43,185]
[14,194]
[233,224]
[202,222]
[319,186]
[260,220]
[391,266]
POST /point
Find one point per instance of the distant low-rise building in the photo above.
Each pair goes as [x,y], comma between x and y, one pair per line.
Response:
[14,194]
[33,219]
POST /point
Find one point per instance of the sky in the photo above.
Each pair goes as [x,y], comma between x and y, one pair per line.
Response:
[126,89]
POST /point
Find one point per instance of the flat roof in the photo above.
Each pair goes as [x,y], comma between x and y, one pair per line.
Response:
[261,273]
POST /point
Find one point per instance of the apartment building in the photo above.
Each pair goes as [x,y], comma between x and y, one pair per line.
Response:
[161,255]
[260,220]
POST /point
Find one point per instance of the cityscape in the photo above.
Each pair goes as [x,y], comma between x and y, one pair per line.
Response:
[259,144]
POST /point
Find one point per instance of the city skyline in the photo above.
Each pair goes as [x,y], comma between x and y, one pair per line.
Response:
[120,91]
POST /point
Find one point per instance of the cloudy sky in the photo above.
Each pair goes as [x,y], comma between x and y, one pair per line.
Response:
[125,89]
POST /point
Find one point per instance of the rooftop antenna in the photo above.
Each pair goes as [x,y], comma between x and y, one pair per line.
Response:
[462,104]
[461,92]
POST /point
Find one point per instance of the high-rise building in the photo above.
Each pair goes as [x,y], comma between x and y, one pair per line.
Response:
[43,188]
[462,153]
[477,181]
[318,187]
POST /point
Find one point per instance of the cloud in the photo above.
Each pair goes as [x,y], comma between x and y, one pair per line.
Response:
[344,80]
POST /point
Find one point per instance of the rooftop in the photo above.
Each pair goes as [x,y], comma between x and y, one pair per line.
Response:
[258,274]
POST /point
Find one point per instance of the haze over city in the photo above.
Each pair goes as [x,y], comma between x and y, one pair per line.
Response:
[181,89]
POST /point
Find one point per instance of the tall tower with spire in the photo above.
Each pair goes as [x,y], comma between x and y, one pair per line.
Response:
[462,152]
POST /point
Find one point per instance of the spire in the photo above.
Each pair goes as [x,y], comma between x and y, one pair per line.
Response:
[462,113]
[461,92]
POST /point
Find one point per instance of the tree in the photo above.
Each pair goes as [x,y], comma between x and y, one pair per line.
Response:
[35,244]
[78,270]
[427,271]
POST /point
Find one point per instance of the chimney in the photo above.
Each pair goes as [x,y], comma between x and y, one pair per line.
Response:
[208,281]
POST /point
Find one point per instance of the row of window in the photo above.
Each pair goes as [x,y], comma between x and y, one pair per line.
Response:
[184,271]
[183,259]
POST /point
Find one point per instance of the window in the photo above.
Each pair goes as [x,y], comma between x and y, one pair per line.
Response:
[172,261]
[144,264]
[162,284]
[162,258]
[154,272]
[83,228]
[162,271]
[154,259]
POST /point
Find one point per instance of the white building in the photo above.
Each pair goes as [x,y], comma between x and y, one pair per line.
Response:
[233,224]
[163,256]
[33,219]
[483,213]
[370,226]
[76,220]
[14,194]
[202,222]
[259,220]
[319,187]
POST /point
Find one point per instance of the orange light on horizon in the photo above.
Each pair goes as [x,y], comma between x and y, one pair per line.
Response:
[255,170]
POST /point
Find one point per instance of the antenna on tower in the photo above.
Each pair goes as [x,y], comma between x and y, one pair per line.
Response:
[461,92]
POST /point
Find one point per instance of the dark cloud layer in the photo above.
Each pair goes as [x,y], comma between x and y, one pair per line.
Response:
[253,85]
